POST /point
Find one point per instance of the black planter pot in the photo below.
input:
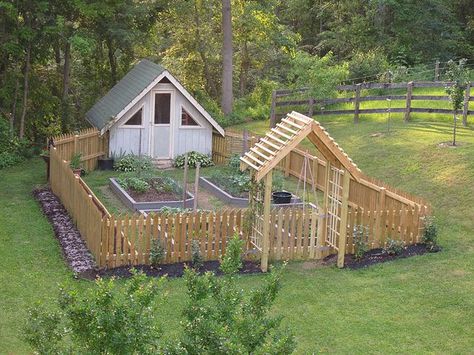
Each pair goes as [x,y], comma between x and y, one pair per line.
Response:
[280,197]
[106,163]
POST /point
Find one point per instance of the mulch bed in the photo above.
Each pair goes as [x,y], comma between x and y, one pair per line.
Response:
[154,195]
[376,256]
[176,269]
[73,247]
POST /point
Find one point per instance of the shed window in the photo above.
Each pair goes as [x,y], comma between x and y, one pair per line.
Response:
[186,119]
[162,108]
[135,120]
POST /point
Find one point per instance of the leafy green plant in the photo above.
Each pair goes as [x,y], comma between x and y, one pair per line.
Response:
[196,256]
[193,158]
[133,183]
[75,162]
[394,247]
[133,163]
[157,252]
[166,184]
[360,235]
[231,262]
[110,318]
[367,65]
[234,162]
[430,233]
[9,159]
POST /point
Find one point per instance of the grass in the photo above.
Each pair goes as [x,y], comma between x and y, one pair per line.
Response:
[423,304]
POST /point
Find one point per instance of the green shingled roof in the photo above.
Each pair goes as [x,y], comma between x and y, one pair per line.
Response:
[131,85]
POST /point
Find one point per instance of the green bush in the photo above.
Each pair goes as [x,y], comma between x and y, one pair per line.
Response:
[231,262]
[196,256]
[9,159]
[430,233]
[133,163]
[234,162]
[157,252]
[360,235]
[110,318]
[394,247]
[193,159]
[75,162]
[367,66]
[133,183]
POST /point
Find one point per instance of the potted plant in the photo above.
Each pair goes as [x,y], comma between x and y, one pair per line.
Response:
[75,163]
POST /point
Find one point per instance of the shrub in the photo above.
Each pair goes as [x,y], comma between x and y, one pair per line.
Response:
[157,252]
[110,318]
[75,162]
[361,236]
[394,247]
[367,66]
[9,159]
[430,233]
[133,163]
[234,162]
[231,263]
[196,257]
[193,159]
[134,183]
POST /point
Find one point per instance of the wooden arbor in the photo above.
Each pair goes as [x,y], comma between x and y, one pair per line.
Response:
[267,154]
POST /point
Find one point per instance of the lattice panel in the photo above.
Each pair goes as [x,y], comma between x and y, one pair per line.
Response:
[334,207]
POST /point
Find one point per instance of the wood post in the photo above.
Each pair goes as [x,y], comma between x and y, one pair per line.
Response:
[357,103]
[323,215]
[196,186]
[272,110]
[266,222]
[465,111]
[408,105]
[311,108]
[185,179]
[379,218]
[343,227]
[436,76]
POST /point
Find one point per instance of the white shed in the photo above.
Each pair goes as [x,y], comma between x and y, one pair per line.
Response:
[149,112]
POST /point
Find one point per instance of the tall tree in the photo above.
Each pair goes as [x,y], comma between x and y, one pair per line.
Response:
[227,54]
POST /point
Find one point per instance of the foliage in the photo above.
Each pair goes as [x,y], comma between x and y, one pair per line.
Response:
[234,162]
[367,66]
[165,184]
[157,252]
[231,262]
[75,162]
[133,183]
[219,319]
[12,149]
[134,163]
[9,159]
[193,158]
[360,236]
[320,74]
[108,318]
[174,210]
[196,256]
[394,247]
[430,233]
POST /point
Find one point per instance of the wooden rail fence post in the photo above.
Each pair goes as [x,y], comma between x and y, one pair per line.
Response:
[408,105]
[436,76]
[343,227]
[266,222]
[357,103]
[272,110]
[465,111]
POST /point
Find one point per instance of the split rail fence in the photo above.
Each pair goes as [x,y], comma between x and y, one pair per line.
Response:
[284,101]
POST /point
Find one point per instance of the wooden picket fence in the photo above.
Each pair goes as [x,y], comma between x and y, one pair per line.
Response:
[88,142]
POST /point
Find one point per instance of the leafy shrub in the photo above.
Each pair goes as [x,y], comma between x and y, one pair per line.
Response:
[133,163]
[110,318]
[361,237]
[75,162]
[430,233]
[196,256]
[193,158]
[133,183]
[234,162]
[394,247]
[157,252]
[367,66]
[231,262]
[9,159]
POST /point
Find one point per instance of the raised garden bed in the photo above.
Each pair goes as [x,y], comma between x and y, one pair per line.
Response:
[151,200]
[235,200]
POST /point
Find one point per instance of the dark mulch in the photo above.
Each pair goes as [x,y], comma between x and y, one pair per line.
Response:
[176,269]
[73,247]
[376,256]
[153,195]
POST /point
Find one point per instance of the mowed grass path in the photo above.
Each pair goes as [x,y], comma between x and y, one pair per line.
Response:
[424,304]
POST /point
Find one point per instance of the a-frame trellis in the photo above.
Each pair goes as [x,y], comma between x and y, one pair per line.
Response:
[275,146]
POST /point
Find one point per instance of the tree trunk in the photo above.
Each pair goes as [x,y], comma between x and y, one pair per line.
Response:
[112,62]
[454,127]
[210,85]
[66,81]
[15,100]
[25,90]
[244,69]
[227,52]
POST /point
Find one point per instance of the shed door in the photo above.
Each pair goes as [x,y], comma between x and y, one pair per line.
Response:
[162,122]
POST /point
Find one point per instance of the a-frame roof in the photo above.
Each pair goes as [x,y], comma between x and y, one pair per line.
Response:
[281,140]
[143,77]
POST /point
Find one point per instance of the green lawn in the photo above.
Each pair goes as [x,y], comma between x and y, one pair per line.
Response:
[424,304]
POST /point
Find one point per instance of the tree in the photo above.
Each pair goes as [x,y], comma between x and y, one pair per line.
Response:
[458,78]
[227,53]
